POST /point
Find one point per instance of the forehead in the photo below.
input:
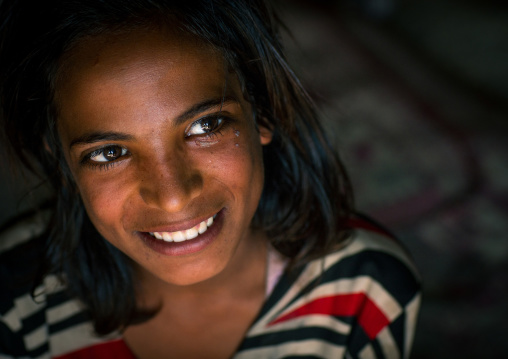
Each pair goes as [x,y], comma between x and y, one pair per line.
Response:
[142,56]
[105,75]
[149,44]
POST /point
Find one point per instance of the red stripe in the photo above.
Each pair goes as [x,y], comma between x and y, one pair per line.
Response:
[359,223]
[369,316]
[114,349]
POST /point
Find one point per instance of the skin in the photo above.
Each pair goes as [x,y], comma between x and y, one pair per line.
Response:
[129,93]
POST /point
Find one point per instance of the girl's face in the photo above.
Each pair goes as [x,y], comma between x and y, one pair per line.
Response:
[161,142]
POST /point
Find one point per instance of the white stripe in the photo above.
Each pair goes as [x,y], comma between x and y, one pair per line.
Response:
[26,306]
[52,284]
[24,230]
[36,338]
[75,338]
[388,344]
[317,320]
[317,348]
[412,309]
[367,353]
[63,311]
[12,320]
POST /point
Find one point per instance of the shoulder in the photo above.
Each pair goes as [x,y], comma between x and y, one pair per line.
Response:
[361,300]
[21,250]
[35,322]
[19,258]
[372,269]
[370,265]
[372,285]
[370,260]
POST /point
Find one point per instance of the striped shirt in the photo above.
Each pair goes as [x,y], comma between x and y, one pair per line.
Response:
[359,302]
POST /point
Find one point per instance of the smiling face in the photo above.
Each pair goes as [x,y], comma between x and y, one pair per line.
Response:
[163,149]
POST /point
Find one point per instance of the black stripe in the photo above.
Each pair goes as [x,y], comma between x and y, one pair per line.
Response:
[18,268]
[357,338]
[11,343]
[378,350]
[39,351]
[397,328]
[69,322]
[60,297]
[34,321]
[291,335]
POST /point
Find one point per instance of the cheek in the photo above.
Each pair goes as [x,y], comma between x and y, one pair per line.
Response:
[239,163]
[103,198]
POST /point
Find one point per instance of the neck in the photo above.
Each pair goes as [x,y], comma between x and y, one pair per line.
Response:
[244,275]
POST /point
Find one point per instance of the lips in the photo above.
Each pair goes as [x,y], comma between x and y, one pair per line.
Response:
[184,235]
[185,241]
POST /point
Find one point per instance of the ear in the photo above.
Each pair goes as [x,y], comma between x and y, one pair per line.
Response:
[265,135]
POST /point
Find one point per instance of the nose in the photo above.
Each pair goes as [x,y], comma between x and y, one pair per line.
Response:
[170,183]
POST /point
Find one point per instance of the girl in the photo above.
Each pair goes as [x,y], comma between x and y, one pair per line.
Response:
[199,210]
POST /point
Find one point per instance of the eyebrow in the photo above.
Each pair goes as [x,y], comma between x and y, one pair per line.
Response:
[195,110]
[93,137]
[202,107]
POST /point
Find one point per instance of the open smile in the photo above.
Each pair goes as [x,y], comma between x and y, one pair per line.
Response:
[183,235]
[185,241]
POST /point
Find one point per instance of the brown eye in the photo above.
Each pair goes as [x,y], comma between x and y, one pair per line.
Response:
[108,154]
[205,126]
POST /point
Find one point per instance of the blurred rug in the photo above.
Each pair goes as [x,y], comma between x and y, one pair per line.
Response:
[425,160]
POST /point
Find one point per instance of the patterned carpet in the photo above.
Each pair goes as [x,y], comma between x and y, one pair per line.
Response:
[426,151]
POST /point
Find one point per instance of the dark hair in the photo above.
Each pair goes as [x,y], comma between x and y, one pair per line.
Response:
[306,198]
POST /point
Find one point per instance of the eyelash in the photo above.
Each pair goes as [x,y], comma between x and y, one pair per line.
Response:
[103,165]
[106,165]
[221,122]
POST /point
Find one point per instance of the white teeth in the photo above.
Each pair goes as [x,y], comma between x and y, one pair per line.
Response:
[180,236]
[202,227]
[191,233]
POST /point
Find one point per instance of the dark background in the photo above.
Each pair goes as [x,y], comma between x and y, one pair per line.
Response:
[414,94]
